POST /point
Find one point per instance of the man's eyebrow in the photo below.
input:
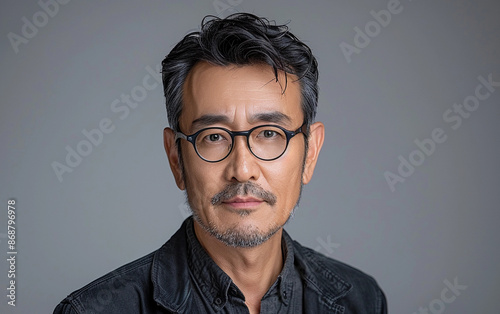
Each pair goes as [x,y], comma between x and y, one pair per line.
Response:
[208,120]
[271,117]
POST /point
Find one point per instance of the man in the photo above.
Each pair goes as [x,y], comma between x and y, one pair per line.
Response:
[241,98]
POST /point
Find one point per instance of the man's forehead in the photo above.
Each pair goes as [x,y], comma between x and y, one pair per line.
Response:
[212,92]
[254,77]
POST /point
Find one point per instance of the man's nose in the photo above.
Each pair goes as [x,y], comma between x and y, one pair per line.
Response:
[243,165]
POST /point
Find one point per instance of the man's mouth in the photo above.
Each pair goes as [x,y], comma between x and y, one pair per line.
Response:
[243,194]
[243,202]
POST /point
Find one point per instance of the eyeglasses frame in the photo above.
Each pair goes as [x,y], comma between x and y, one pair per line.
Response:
[192,139]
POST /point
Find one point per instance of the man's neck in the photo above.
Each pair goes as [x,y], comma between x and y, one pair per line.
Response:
[253,270]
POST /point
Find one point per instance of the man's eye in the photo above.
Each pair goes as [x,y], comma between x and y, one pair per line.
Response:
[215,137]
[268,134]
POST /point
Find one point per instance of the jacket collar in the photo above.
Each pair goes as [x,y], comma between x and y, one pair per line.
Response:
[169,273]
[319,275]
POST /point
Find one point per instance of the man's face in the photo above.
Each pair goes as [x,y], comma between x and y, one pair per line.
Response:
[241,200]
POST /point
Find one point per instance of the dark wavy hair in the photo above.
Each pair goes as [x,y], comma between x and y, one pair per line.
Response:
[240,39]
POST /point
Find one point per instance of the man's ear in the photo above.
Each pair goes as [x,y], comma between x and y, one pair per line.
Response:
[173,157]
[316,138]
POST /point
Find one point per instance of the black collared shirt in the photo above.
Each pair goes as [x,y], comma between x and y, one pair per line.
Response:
[217,292]
[180,277]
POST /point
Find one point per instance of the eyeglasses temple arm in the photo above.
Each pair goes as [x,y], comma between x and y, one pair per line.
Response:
[179,135]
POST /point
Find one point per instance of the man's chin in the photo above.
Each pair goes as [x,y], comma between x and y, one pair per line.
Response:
[242,235]
[243,239]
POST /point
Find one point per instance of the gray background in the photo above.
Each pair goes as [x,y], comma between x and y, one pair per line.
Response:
[121,201]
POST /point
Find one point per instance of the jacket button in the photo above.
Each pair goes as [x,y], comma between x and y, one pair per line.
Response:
[284,295]
[218,301]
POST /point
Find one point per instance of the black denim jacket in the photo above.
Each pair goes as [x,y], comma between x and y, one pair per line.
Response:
[167,281]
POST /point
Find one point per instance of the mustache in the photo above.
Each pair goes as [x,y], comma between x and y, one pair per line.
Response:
[243,189]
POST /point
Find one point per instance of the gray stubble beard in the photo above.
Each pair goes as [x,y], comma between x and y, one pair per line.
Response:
[239,238]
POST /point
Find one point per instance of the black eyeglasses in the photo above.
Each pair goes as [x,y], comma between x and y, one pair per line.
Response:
[266,142]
